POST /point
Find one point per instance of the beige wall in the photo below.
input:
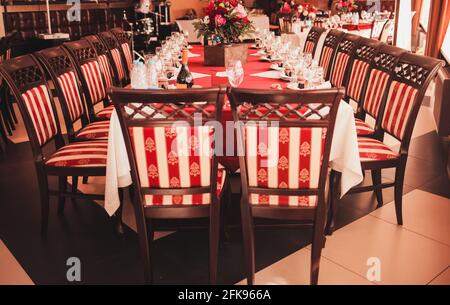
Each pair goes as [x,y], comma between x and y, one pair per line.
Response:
[179,7]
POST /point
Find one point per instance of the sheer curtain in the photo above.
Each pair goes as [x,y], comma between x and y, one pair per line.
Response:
[437,26]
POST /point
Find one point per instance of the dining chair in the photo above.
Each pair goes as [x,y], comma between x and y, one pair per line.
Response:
[411,76]
[92,78]
[105,60]
[377,28]
[344,59]
[387,34]
[125,42]
[117,56]
[52,157]
[330,46]
[9,118]
[312,40]
[3,135]
[284,140]
[174,170]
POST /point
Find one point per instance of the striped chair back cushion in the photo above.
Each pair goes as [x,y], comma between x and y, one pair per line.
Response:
[173,157]
[399,104]
[284,158]
[37,102]
[337,76]
[128,56]
[118,63]
[92,75]
[68,84]
[326,60]
[376,87]
[357,77]
[309,47]
[104,63]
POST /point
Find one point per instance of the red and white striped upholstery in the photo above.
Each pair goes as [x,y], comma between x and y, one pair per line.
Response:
[363,128]
[92,74]
[173,157]
[194,199]
[104,64]
[128,56]
[105,113]
[337,76]
[297,201]
[37,101]
[96,130]
[371,150]
[118,62]
[68,84]
[309,47]
[399,104]
[283,158]
[326,60]
[357,77]
[80,154]
[378,81]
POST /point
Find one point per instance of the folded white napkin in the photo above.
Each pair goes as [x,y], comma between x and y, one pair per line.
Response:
[269,74]
[222,74]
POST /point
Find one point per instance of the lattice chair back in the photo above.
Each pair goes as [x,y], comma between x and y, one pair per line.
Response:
[411,77]
[125,41]
[330,46]
[90,73]
[380,72]
[284,142]
[312,39]
[377,28]
[118,58]
[170,136]
[61,68]
[105,60]
[363,56]
[344,58]
[27,82]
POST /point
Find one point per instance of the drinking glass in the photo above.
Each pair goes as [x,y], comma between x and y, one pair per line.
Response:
[235,73]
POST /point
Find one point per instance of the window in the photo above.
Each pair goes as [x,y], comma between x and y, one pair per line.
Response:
[445,49]
[425,14]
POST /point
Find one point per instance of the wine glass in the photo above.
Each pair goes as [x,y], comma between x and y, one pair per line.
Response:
[235,73]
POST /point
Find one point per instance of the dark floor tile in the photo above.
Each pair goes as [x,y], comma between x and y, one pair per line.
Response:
[439,186]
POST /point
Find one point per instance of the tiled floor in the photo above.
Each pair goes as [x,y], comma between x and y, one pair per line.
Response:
[417,253]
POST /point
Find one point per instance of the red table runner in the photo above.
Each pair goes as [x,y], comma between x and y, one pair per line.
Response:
[357,27]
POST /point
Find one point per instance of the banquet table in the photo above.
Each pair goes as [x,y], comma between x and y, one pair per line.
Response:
[344,156]
[357,27]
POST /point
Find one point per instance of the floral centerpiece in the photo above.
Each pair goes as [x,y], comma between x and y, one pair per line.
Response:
[224,22]
[345,6]
[292,10]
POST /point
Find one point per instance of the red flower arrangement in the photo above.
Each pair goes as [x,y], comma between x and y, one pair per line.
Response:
[346,6]
[291,9]
[225,20]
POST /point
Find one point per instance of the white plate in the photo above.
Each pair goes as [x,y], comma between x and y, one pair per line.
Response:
[261,53]
[253,46]
[276,67]
[285,77]
[293,86]
[264,58]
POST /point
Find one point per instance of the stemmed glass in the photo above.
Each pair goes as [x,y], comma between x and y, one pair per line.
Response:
[235,73]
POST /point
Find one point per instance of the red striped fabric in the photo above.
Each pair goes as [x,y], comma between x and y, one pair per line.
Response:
[283,158]
[96,130]
[80,154]
[194,199]
[105,113]
[309,47]
[337,76]
[128,56]
[326,59]
[363,128]
[104,63]
[37,102]
[399,104]
[94,80]
[375,89]
[118,62]
[373,150]
[68,84]
[357,77]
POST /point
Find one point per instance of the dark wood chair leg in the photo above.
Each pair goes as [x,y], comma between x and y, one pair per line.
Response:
[145,248]
[85,180]
[249,246]
[74,188]
[61,198]
[333,198]
[3,133]
[318,241]
[398,192]
[376,180]
[214,237]
[6,121]
[45,202]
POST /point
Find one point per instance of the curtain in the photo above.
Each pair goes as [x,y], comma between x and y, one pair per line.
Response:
[437,26]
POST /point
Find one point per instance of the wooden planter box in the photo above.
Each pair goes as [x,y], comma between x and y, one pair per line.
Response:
[219,55]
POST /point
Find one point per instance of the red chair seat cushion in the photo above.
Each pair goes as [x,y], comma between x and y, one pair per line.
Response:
[81,154]
[363,128]
[371,150]
[96,130]
[194,199]
[105,113]
[276,200]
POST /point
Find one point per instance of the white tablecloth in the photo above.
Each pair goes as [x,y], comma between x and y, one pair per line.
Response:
[344,157]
